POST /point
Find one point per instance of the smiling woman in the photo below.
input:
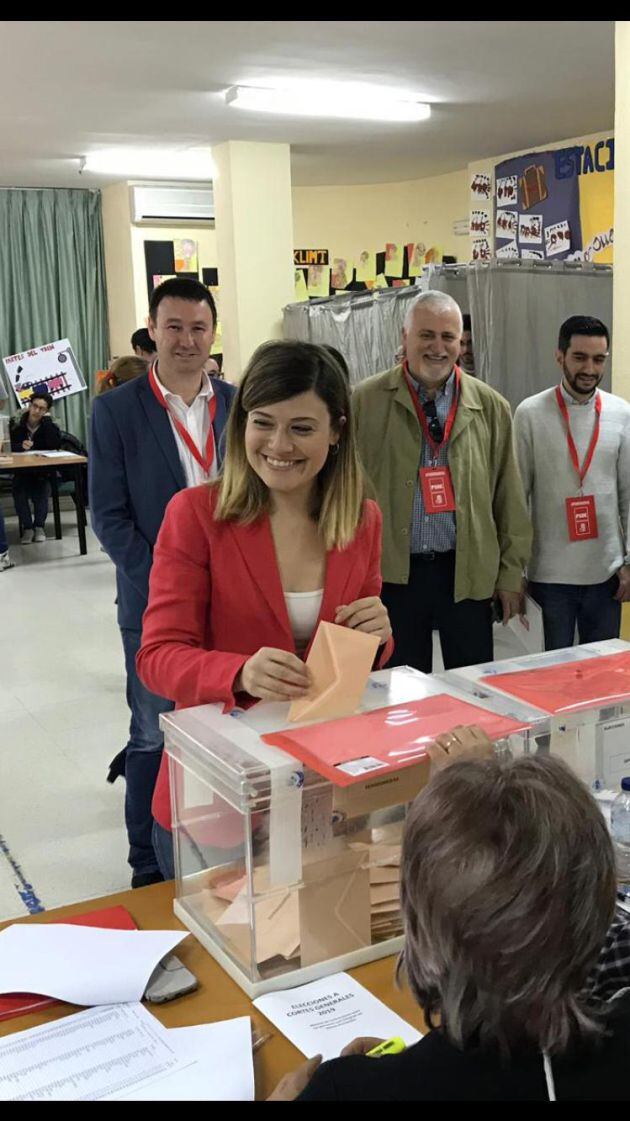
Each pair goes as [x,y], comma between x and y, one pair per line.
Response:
[244,570]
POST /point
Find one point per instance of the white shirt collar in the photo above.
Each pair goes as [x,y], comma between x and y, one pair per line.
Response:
[206,390]
[571,400]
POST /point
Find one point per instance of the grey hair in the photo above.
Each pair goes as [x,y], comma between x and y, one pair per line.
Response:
[441,301]
[508,888]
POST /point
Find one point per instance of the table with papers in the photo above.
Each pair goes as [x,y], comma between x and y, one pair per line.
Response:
[218,999]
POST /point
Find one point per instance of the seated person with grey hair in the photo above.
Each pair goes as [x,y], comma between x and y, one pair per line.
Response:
[508,894]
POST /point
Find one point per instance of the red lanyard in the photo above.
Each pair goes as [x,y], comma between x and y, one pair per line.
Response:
[581,471]
[450,420]
[205,462]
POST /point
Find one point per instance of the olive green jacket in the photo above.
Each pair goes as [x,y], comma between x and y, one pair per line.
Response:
[493,527]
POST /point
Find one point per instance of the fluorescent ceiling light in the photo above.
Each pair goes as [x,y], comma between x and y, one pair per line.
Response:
[349,100]
[152,163]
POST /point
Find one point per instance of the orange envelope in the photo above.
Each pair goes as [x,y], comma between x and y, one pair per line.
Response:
[340,662]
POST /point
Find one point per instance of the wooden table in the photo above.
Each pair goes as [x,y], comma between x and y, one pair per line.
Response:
[29,461]
[218,996]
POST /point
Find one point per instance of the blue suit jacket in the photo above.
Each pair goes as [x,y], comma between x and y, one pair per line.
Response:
[134,471]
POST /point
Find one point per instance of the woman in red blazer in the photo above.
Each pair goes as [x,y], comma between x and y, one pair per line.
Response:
[244,569]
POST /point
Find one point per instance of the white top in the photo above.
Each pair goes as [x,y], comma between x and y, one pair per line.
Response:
[196,419]
[549,478]
[303,609]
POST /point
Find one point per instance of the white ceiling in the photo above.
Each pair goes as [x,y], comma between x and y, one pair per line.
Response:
[68,87]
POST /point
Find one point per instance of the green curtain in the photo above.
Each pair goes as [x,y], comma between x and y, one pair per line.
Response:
[52,283]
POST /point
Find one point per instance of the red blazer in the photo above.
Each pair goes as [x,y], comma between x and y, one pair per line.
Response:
[215,598]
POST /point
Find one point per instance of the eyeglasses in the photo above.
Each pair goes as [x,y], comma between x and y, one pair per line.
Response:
[433,422]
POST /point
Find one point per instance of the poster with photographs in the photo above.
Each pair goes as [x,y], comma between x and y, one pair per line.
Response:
[506,224]
[530,229]
[481,249]
[507,190]
[481,187]
[480,223]
[508,252]
[557,238]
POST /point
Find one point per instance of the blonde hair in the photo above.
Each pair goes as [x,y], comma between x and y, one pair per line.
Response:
[277,372]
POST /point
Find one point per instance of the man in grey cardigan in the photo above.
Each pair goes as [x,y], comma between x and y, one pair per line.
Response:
[573,448]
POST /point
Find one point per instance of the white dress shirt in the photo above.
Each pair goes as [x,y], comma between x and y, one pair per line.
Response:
[196,419]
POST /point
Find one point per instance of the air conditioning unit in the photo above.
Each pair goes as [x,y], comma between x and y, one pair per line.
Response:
[155,205]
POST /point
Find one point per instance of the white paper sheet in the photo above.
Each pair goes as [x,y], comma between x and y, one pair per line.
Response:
[323,1017]
[81,964]
[223,1070]
[55,455]
[532,637]
[87,1056]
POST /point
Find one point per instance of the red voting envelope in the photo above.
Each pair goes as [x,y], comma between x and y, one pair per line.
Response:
[437,489]
[570,686]
[111,918]
[347,750]
[582,518]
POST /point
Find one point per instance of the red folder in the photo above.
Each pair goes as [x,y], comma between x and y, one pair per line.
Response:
[348,750]
[111,918]
[570,686]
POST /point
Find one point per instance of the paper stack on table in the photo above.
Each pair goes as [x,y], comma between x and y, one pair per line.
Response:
[123,1052]
[323,1017]
[83,965]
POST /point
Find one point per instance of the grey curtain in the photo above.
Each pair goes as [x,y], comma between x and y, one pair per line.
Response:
[517,309]
[365,327]
[52,282]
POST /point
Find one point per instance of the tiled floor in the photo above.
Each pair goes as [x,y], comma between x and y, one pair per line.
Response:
[63,716]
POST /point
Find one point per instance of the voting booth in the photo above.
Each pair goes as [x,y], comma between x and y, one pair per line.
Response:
[576,700]
[288,834]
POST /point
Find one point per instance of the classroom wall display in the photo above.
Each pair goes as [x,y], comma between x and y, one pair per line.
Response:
[53,366]
[393,259]
[416,252]
[301,291]
[186,254]
[302,258]
[557,205]
[159,259]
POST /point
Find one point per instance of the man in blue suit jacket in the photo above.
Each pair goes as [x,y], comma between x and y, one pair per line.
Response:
[151,438]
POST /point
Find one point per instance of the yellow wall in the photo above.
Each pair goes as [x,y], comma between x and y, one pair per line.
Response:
[346,220]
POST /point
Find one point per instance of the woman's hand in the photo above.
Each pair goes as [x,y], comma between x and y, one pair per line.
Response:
[291,1086]
[273,675]
[466,742]
[27,445]
[361,1045]
[368,615]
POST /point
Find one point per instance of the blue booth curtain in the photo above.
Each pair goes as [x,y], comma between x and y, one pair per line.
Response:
[52,283]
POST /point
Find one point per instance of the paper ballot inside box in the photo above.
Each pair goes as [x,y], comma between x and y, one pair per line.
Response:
[340,661]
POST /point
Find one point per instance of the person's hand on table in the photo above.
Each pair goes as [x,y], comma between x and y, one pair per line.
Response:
[464,743]
[291,1086]
[27,445]
[512,603]
[368,615]
[361,1045]
[273,675]
[622,595]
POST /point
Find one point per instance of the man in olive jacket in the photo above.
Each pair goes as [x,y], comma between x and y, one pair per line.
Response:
[437,447]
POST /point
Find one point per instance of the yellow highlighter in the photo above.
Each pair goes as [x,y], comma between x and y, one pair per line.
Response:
[388,1047]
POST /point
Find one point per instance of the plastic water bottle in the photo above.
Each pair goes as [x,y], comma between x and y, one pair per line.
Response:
[620,830]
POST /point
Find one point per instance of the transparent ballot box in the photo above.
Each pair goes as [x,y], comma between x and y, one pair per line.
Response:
[286,874]
[577,703]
